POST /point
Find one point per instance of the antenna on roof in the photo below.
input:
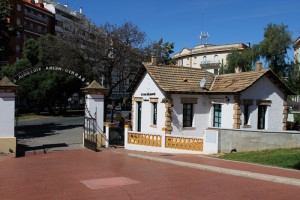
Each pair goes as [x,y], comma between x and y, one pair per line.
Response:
[203,35]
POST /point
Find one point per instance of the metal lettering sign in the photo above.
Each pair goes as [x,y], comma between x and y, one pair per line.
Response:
[148,94]
[33,70]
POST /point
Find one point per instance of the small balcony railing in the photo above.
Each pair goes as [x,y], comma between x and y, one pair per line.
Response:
[36,29]
[43,19]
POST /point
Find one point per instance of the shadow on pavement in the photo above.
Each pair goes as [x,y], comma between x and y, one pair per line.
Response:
[22,149]
[33,131]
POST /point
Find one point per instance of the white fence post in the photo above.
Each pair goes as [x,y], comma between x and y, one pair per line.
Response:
[126,130]
[107,135]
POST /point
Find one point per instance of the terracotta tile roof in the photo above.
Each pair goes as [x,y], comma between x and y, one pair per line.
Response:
[95,85]
[236,82]
[180,79]
[176,79]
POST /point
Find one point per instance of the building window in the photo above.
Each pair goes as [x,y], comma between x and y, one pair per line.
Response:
[19,8]
[261,116]
[246,114]
[154,113]
[18,48]
[139,116]
[18,21]
[216,59]
[187,115]
[217,115]
[204,60]
[18,35]
[17,59]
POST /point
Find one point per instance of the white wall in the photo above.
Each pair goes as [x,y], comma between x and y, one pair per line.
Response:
[7,114]
[95,102]
[147,85]
[227,110]
[200,120]
[264,89]
[198,59]
[203,113]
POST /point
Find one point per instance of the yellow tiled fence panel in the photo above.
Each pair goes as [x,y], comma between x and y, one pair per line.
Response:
[184,143]
[144,139]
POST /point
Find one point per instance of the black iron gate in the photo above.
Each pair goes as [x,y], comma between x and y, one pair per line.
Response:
[90,133]
[116,136]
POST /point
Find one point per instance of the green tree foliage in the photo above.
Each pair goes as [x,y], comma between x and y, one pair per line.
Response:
[31,50]
[48,88]
[294,77]
[245,60]
[162,51]
[274,47]
[6,28]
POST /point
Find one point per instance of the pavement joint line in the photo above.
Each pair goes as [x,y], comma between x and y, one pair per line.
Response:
[253,175]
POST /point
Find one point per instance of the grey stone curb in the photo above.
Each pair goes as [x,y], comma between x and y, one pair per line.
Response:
[265,177]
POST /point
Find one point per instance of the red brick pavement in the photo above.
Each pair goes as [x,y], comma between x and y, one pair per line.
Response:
[58,175]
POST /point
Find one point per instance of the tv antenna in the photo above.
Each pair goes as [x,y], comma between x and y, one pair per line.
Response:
[203,35]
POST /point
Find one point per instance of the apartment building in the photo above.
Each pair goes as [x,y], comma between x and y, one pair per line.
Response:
[36,20]
[296,46]
[206,56]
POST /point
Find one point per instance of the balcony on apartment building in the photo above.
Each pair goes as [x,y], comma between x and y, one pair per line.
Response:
[210,64]
[39,30]
[4,63]
[30,14]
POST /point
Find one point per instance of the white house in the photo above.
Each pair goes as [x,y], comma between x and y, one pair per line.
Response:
[174,108]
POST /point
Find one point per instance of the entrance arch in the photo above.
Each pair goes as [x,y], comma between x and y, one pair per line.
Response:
[37,69]
[94,100]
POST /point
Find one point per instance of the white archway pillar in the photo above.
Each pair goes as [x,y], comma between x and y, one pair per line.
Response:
[7,116]
[94,97]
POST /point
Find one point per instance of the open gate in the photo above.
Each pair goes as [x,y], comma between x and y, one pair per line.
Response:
[116,136]
[90,133]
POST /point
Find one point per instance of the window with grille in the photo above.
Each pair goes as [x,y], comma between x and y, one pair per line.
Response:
[246,114]
[154,113]
[217,115]
[187,115]
[261,116]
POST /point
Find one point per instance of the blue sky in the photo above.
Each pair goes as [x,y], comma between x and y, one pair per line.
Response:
[226,21]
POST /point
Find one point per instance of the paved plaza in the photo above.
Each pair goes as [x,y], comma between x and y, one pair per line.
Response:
[57,133]
[121,174]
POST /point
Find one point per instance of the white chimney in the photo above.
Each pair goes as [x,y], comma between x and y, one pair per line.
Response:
[80,10]
[66,5]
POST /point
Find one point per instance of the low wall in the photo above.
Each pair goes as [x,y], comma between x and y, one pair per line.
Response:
[171,143]
[7,143]
[244,140]
[101,139]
